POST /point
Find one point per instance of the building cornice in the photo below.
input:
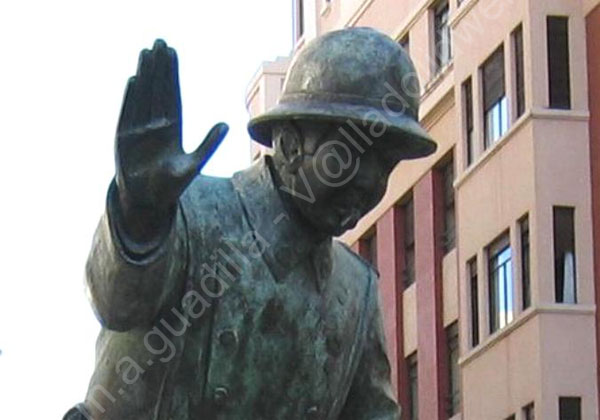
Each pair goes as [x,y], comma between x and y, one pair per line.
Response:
[532,114]
[549,308]
[492,150]
[461,12]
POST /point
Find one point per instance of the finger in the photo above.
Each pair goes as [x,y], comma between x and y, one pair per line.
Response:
[166,97]
[143,89]
[125,118]
[186,166]
[209,145]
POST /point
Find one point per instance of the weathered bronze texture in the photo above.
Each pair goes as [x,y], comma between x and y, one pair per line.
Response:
[229,298]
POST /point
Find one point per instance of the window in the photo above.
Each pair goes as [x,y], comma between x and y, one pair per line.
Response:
[413,387]
[525,263]
[511,417]
[409,242]
[443,44]
[529,412]
[559,74]
[569,408]
[453,373]
[368,247]
[517,39]
[447,173]
[299,9]
[565,276]
[405,43]
[495,104]
[467,90]
[500,284]
[474,295]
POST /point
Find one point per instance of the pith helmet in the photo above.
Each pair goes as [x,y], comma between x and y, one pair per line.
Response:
[354,75]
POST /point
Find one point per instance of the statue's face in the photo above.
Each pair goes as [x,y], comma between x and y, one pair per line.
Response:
[336,176]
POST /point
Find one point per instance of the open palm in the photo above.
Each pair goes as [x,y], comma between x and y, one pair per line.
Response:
[152,167]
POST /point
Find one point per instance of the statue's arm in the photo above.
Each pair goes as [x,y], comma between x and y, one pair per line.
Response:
[371,395]
[130,282]
[138,255]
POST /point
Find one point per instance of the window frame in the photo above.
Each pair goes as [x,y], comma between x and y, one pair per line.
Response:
[563,405]
[447,174]
[474,299]
[528,411]
[469,122]
[299,23]
[499,263]
[408,240]
[452,342]
[559,63]
[496,119]
[525,262]
[412,368]
[442,35]
[518,49]
[569,213]
[405,42]
[368,246]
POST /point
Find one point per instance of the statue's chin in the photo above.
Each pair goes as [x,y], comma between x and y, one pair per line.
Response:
[337,226]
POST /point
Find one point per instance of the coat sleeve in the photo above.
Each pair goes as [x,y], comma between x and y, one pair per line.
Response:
[371,396]
[128,290]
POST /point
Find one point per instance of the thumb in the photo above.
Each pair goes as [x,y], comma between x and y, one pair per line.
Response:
[209,145]
[186,166]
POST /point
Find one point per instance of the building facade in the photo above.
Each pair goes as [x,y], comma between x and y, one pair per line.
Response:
[488,250]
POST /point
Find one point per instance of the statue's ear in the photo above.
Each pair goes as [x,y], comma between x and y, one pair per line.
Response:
[288,140]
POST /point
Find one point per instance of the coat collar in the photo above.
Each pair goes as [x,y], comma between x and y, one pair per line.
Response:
[289,242]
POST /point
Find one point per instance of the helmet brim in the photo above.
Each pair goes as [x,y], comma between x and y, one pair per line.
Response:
[401,133]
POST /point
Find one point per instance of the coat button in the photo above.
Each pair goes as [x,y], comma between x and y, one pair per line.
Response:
[312,413]
[220,395]
[228,338]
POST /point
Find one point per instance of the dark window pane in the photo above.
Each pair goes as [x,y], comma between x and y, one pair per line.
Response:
[368,247]
[413,387]
[299,18]
[468,104]
[409,242]
[558,62]
[525,263]
[529,412]
[519,70]
[449,234]
[453,372]
[474,289]
[405,43]
[565,275]
[569,408]
[493,79]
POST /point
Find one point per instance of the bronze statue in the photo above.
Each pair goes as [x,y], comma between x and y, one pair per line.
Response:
[228,298]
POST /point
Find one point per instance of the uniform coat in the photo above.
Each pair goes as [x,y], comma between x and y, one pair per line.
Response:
[237,314]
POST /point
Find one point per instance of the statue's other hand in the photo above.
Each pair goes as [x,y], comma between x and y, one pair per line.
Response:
[152,169]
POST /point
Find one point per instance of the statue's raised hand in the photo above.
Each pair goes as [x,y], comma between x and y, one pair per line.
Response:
[152,167]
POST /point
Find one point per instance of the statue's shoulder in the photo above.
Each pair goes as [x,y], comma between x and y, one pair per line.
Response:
[351,259]
[208,199]
[356,274]
[206,187]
